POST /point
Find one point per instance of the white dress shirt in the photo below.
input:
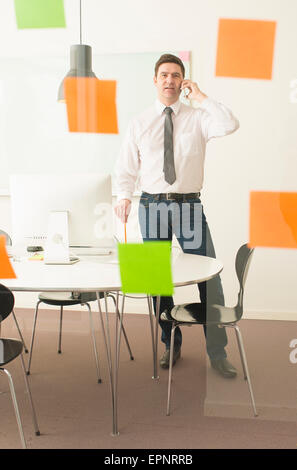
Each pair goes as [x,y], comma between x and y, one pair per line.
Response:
[142,153]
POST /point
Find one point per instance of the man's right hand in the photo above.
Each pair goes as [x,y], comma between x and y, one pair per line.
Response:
[122,209]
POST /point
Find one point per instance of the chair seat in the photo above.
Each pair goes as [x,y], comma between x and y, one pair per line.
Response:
[9,350]
[198,313]
[66,298]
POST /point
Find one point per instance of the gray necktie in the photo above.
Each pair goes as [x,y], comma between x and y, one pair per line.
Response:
[169,170]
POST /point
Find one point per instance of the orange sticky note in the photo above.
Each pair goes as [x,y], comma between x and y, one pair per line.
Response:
[91,105]
[273,219]
[6,270]
[245,48]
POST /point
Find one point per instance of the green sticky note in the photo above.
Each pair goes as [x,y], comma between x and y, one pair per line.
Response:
[39,13]
[146,268]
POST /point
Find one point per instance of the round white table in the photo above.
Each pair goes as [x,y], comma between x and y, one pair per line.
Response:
[101,274]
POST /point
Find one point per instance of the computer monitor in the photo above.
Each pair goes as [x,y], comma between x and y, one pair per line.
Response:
[86,197]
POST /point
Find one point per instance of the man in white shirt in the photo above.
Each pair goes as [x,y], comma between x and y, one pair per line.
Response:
[165,148]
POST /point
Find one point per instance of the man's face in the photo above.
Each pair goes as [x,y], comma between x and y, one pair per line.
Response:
[168,82]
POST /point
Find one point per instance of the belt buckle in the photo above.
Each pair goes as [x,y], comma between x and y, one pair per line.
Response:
[169,197]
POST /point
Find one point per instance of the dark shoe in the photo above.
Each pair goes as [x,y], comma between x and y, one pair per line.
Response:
[164,361]
[165,316]
[223,367]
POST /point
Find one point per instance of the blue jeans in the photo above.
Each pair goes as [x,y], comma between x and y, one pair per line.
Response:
[159,220]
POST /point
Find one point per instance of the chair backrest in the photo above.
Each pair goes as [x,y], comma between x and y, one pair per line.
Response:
[242,264]
[8,239]
[6,302]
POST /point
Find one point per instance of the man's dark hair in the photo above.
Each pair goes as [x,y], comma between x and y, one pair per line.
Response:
[165,58]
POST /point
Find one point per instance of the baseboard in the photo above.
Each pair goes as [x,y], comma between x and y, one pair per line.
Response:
[270,315]
[139,305]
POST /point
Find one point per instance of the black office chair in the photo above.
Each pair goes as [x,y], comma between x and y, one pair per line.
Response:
[197,313]
[64,299]
[9,350]
[9,243]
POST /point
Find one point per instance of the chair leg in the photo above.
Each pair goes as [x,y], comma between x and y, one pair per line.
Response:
[60,331]
[94,342]
[20,333]
[241,356]
[33,336]
[16,408]
[37,432]
[242,353]
[123,329]
[174,325]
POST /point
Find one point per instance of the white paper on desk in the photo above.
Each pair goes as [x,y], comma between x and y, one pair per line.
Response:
[57,243]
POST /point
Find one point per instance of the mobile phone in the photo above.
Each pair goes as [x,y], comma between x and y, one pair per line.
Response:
[185,91]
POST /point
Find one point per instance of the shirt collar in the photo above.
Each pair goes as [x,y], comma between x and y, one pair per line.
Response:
[160,107]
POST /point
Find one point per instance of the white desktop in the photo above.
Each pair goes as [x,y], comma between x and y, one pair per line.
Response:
[85,198]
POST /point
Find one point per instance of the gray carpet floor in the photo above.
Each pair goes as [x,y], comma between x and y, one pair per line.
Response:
[208,412]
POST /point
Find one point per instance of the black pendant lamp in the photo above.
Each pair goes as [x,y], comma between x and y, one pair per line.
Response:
[80,62]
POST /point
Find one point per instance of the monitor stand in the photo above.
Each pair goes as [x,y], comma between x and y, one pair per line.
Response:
[57,243]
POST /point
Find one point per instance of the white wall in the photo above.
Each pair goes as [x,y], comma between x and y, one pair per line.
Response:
[260,155]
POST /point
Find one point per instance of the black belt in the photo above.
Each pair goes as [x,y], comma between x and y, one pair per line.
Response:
[174,196]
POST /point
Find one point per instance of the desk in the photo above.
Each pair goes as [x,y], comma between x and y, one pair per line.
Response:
[101,274]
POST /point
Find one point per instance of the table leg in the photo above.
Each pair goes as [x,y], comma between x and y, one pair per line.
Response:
[157,332]
[119,329]
[149,302]
[113,364]
[154,333]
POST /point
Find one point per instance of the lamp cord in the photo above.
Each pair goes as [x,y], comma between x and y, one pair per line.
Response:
[80,28]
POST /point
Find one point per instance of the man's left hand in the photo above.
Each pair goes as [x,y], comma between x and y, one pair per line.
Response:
[195,92]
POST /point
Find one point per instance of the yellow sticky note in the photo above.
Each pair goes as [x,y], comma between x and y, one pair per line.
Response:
[146,268]
[36,257]
[39,13]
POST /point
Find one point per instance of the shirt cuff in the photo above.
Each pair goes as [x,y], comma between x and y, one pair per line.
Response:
[124,196]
